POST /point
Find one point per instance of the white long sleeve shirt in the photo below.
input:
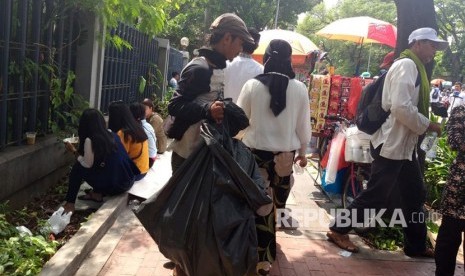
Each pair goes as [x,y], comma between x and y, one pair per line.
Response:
[288,131]
[399,134]
[152,139]
[237,72]
[87,160]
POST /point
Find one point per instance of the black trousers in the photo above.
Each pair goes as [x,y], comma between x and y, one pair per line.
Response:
[386,175]
[447,245]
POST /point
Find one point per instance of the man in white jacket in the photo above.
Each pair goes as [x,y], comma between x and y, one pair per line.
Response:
[393,148]
[242,68]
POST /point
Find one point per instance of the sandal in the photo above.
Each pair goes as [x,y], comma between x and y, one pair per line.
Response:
[343,241]
[263,268]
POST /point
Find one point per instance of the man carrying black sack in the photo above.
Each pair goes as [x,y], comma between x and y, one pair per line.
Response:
[393,148]
[201,85]
[199,96]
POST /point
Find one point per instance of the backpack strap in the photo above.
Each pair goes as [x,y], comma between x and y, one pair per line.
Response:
[418,81]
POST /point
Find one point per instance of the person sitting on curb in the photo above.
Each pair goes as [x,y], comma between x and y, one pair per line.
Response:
[156,121]
[101,161]
[138,111]
[132,135]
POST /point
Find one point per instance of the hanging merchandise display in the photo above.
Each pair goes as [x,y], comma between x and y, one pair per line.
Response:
[333,95]
[319,100]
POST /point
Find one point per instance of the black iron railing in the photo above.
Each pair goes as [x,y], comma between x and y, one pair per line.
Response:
[35,47]
[126,69]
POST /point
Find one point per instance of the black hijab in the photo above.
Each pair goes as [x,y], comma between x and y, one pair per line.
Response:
[277,72]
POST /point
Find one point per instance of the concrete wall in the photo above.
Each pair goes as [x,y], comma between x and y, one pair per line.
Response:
[89,62]
[28,171]
[163,60]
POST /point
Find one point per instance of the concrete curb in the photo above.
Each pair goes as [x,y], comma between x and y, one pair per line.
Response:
[67,259]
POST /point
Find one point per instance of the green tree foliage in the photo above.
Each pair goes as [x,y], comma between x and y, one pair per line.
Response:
[148,16]
[450,16]
[193,18]
[345,54]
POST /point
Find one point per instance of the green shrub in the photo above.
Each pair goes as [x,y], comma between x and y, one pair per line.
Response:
[22,254]
[385,238]
[437,171]
[161,105]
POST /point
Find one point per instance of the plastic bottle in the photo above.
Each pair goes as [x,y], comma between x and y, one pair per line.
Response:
[298,169]
[429,141]
[431,154]
[134,204]
[429,145]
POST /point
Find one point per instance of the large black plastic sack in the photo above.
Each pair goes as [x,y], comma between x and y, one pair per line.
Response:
[203,219]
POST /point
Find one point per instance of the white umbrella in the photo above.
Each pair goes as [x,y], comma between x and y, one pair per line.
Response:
[361,29]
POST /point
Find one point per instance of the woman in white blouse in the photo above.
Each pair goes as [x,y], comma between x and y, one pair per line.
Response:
[278,109]
[101,161]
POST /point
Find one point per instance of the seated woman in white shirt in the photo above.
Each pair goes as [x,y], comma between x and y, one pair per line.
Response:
[101,161]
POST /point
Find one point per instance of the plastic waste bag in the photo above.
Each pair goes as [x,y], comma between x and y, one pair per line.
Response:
[335,153]
[204,217]
[58,220]
[336,186]
[23,231]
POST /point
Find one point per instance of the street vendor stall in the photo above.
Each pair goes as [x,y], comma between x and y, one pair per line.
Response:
[333,95]
[336,96]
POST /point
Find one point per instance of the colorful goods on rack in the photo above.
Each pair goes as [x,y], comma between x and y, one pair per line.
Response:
[333,95]
[319,99]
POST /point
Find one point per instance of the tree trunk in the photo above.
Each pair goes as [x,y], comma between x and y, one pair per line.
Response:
[411,15]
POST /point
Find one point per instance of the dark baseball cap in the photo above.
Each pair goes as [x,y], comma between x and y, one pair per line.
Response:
[229,22]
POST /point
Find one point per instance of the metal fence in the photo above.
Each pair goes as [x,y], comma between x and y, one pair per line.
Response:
[176,62]
[35,52]
[38,41]
[125,70]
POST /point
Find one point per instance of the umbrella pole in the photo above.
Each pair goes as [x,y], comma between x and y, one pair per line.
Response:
[369,59]
[357,68]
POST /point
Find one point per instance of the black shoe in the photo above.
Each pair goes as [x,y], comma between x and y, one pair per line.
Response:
[428,253]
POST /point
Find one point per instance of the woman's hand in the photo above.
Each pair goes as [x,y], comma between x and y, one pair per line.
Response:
[68,208]
[70,147]
[301,159]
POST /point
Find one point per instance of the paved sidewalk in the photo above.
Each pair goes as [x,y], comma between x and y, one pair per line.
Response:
[127,249]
